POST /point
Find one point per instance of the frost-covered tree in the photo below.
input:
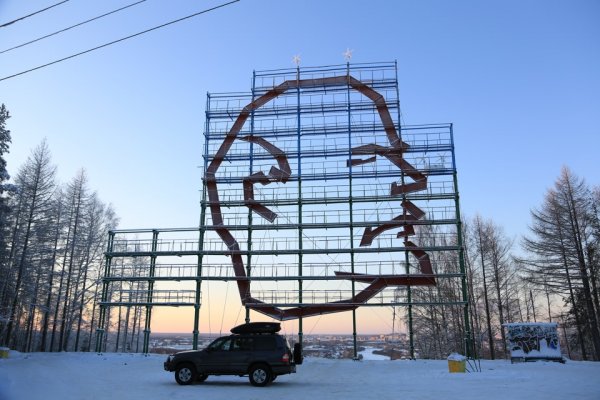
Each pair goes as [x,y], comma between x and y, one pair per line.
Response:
[77,197]
[438,328]
[561,245]
[98,220]
[5,191]
[481,244]
[49,276]
[84,227]
[30,239]
[5,141]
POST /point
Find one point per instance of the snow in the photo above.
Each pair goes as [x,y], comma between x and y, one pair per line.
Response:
[456,357]
[76,376]
[367,354]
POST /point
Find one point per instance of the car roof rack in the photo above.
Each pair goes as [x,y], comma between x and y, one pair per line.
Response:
[256,327]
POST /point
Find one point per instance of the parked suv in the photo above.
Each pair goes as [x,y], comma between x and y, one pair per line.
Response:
[253,349]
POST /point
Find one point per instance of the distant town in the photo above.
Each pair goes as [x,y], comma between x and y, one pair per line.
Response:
[373,347]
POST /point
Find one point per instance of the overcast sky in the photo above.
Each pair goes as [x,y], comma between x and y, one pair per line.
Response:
[520,80]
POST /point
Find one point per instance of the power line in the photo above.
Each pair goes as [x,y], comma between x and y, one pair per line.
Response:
[119,40]
[72,26]
[32,14]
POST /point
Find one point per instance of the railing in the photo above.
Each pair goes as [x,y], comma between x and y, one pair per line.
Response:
[324,215]
[271,245]
[152,297]
[387,297]
[162,245]
[269,271]
[316,192]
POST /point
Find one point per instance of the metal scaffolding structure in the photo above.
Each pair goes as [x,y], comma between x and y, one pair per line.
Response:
[313,188]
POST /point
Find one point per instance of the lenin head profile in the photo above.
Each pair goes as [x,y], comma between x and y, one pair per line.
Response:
[280,172]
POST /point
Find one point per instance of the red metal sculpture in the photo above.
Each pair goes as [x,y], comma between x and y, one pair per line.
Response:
[281,173]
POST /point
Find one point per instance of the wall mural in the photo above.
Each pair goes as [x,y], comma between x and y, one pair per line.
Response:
[533,340]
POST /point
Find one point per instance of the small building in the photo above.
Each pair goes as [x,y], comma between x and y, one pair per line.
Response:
[532,341]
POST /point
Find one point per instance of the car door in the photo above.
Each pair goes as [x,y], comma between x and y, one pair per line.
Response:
[265,349]
[241,353]
[216,357]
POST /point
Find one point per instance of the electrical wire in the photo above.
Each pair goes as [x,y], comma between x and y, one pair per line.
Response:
[119,40]
[208,301]
[32,14]
[71,27]
[224,308]
[238,315]
[315,324]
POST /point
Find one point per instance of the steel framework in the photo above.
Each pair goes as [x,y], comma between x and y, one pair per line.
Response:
[309,179]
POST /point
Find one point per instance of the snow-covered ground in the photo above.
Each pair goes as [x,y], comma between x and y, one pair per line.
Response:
[77,376]
[367,354]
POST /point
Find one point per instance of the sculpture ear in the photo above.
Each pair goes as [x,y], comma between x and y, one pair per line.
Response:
[358,161]
[279,175]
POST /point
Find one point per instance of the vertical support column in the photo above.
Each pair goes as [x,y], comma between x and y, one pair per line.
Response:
[148,321]
[351,212]
[251,171]
[202,230]
[198,295]
[105,283]
[411,337]
[300,222]
[469,349]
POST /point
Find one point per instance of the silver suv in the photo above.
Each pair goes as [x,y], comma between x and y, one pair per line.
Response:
[253,349]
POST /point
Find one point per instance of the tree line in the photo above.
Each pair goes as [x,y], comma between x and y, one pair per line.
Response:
[51,253]
[549,275]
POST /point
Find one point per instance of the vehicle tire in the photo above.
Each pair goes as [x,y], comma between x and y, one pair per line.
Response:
[298,357]
[260,375]
[201,377]
[185,374]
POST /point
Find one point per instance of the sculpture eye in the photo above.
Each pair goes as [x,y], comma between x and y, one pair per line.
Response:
[276,174]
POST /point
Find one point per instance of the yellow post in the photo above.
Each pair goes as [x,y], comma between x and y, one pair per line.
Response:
[456,366]
[4,352]
[456,363]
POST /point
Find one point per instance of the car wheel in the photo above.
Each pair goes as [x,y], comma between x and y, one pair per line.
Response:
[185,374]
[260,375]
[201,377]
[298,358]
